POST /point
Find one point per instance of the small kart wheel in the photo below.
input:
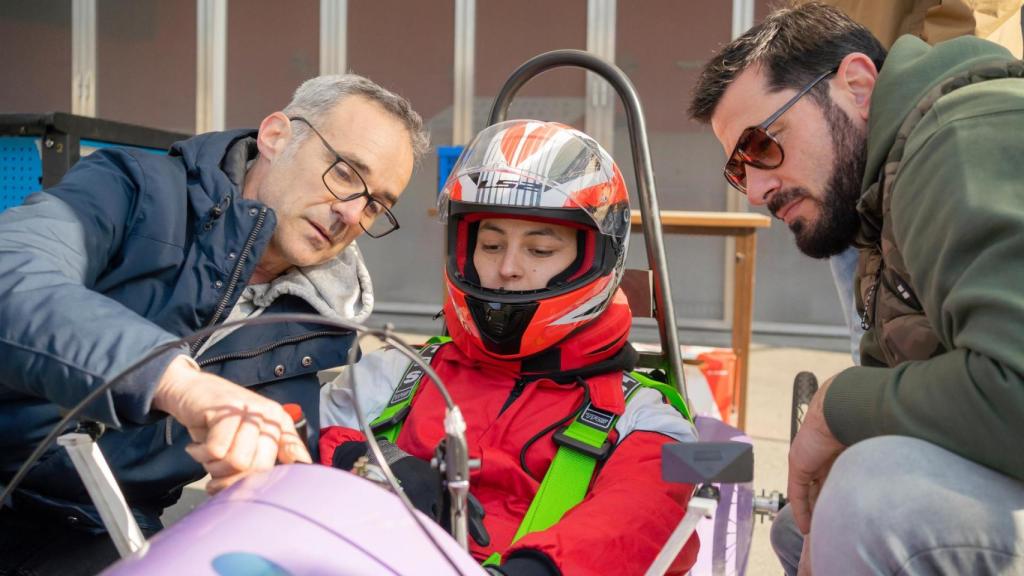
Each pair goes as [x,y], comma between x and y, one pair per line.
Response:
[804,386]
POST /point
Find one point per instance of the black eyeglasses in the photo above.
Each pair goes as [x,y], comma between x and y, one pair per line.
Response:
[757,148]
[346,184]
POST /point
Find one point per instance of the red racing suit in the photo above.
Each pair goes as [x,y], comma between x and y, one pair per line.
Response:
[628,513]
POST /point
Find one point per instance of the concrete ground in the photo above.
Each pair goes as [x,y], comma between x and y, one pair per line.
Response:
[769,397]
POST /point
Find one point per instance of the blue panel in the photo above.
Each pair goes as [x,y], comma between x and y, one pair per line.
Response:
[21,170]
[101,144]
[446,157]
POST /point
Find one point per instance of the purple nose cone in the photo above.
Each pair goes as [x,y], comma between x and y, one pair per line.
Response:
[299,519]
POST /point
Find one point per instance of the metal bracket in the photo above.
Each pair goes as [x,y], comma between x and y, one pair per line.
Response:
[699,507]
[106,495]
[768,505]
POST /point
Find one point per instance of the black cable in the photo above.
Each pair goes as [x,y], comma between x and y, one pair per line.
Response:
[371,439]
[522,452]
[385,335]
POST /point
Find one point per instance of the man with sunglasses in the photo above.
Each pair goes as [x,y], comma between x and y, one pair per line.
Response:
[909,463]
[133,250]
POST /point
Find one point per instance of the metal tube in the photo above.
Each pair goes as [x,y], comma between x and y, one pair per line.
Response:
[697,509]
[333,36]
[464,72]
[649,211]
[106,495]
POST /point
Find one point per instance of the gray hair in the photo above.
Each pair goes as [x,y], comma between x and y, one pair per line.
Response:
[316,97]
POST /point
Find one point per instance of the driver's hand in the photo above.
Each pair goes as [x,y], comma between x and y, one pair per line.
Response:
[235,431]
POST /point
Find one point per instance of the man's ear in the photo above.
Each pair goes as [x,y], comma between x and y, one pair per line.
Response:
[855,82]
[274,135]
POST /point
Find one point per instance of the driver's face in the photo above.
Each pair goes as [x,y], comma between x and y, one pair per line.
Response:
[518,255]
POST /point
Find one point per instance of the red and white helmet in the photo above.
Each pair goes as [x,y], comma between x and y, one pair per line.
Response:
[542,171]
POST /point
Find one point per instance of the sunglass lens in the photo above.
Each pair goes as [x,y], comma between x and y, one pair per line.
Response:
[736,174]
[757,148]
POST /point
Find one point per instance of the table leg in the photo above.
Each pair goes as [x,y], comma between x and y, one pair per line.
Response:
[743,310]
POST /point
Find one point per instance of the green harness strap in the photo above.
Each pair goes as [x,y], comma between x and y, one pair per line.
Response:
[580,446]
[390,421]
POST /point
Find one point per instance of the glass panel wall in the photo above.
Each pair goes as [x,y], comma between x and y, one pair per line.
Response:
[510,33]
[146,63]
[272,47]
[36,63]
[408,47]
[791,288]
[661,45]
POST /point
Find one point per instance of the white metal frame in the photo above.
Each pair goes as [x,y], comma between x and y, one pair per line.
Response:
[211,64]
[333,36]
[83,57]
[599,121]
[464,72]
[698,507]
[92,468]
[742,20]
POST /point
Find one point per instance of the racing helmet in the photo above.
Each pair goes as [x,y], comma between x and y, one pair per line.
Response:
[540,171]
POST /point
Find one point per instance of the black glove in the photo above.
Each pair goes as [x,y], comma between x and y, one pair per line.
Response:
[477,530]
[346,454]
[419,480]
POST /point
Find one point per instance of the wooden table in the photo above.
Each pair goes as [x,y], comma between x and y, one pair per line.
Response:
[743,227]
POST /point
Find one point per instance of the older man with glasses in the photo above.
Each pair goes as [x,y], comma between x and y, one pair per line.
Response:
[133,250]
[911,463]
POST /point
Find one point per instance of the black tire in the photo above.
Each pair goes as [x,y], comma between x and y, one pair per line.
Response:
[804,386]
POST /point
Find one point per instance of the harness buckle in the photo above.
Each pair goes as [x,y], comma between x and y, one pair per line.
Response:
[599,453]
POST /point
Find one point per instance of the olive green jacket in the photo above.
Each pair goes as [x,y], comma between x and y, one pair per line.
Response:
[945,186]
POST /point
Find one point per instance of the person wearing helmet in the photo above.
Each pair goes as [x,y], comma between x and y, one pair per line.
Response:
[537,226]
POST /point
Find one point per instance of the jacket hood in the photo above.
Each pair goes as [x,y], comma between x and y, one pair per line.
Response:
[339,288]
[204,158]
[911,69]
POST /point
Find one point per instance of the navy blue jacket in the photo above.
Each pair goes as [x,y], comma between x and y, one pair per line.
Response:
[132,250]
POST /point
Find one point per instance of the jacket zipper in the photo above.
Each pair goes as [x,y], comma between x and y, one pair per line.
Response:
[870,303]
[516,392]
[236,274]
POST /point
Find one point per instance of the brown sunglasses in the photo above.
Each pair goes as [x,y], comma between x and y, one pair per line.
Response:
[757,147]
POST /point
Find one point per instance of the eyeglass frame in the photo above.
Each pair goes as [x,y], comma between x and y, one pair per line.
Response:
[338,158]
[763,127]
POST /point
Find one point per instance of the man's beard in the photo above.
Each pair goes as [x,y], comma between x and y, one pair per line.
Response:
[838,221]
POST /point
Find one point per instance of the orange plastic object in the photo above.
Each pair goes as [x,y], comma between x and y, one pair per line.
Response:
[293,410]
[719,368]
